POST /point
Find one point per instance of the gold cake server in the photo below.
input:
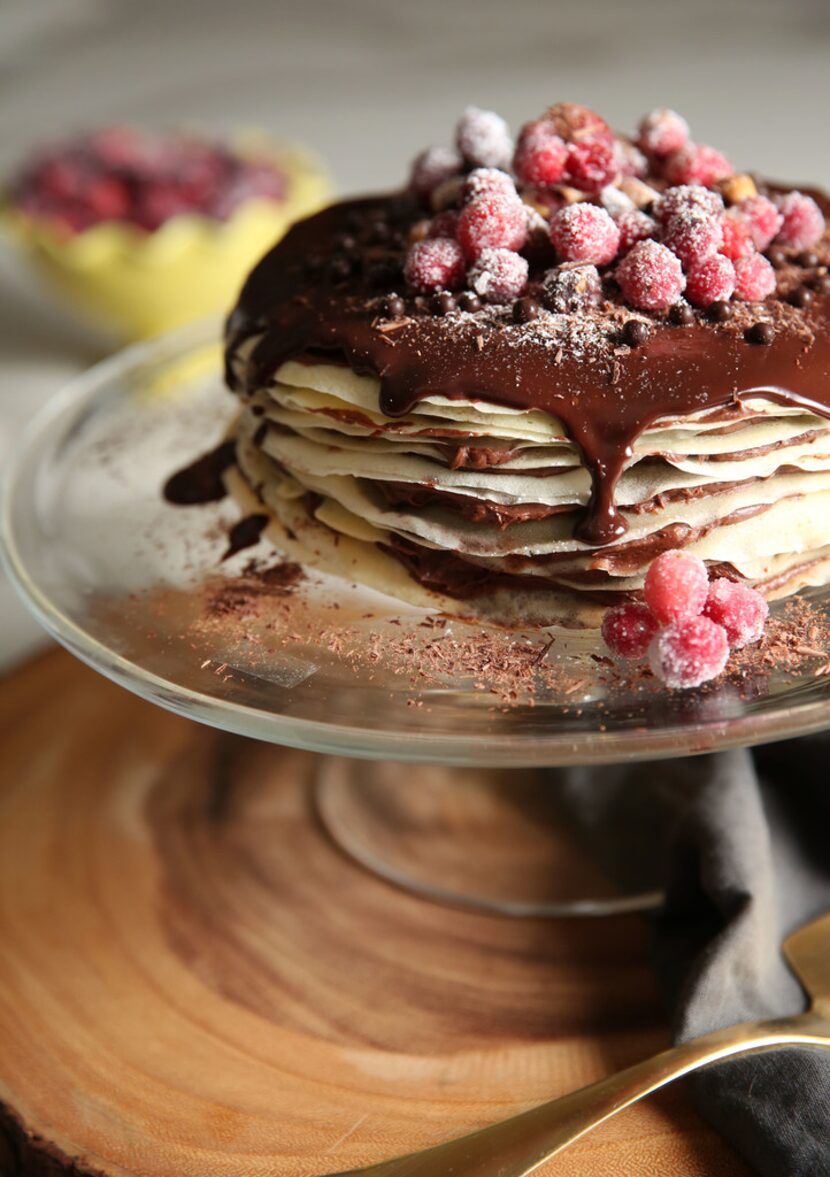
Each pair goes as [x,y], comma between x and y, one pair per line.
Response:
[518,1146]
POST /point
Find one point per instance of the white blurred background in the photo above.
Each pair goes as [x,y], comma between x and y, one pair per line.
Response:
[369,82]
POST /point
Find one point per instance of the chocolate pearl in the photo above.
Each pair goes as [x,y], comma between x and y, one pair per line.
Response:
[777,258]
[800,297]
[394,307]
[681,315]
[821,284]
[635,332]
[383,274]
[442,303]
[469,302]
[808,259]
[339,268]
[760,333]
[314,263]
[378,233]
[525,310]
[720,311]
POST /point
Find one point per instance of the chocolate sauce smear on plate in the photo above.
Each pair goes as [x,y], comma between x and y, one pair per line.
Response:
[306,307]
[245,534]
[201,481]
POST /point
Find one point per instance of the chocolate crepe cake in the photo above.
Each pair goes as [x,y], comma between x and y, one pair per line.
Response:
[504,390]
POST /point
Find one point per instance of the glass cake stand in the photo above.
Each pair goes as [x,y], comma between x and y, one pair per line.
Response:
[469,737]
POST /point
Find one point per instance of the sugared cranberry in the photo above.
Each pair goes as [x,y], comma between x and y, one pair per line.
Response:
[431,168]
[754,278]
[697,164]
[739,609]
[488,182]
[627,630]
[634,226]
[676,586]
[540,157]
[63,179]
[615,201]
[123,175]
[688,198]
[483,138]
[737,238]
[711,281]
[108,198]
[630,160]
[435,264]
[158,204]
[498,275]
[571,288]
[650,277]
[689,653]
[591,165]
[803,221]
[71,220]
[585,233]
[492,222]
[692,236]
[573,123]
[120,147]
[662,132]
[444,224]
[762,217]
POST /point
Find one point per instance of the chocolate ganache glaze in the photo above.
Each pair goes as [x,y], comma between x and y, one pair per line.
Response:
[323,293]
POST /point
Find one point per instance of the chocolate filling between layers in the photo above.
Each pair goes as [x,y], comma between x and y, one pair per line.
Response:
[464,579]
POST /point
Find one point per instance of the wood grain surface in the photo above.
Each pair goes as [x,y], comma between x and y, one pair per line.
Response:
[195,983]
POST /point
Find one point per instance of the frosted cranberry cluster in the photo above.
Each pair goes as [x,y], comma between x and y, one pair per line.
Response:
[687,623]
[122,174]
[661,215]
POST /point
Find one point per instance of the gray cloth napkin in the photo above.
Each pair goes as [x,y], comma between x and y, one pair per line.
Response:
[745,839]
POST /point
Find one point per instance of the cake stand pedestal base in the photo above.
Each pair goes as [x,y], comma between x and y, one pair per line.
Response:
[516,842]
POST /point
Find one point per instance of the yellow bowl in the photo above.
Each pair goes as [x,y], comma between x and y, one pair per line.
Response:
[144,283]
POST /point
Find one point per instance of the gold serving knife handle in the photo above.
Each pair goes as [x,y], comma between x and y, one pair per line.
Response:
[518,1146]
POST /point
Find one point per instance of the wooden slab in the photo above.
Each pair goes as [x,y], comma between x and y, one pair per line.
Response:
[195,983]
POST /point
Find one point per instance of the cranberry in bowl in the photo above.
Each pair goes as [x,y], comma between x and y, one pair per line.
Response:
[143,232]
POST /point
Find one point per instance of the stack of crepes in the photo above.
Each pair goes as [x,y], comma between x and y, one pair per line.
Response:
[487,523]
[503,458]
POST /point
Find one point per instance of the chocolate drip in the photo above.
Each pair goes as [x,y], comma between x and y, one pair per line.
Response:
[604,394]
[245,534]
[201,481]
